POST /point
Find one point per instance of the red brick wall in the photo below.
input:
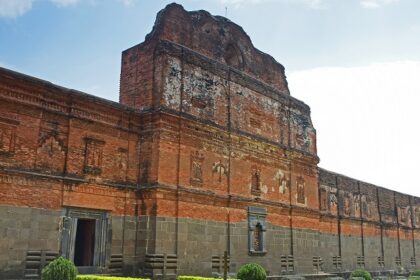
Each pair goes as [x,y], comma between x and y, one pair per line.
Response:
[201,32]
[68,148]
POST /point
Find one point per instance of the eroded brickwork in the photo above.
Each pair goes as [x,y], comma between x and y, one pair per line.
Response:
[205,132]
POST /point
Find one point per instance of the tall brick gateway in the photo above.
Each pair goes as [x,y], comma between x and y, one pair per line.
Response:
[206,152]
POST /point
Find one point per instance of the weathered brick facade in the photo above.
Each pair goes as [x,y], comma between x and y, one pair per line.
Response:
[206,152]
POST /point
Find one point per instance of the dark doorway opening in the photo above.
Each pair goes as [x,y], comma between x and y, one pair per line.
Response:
[85,242]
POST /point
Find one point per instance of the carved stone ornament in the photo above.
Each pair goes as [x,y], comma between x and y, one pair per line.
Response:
[283,182]
[220,170]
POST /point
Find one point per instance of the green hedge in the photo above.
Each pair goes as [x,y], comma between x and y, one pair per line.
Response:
[361,273]
[99,277]
[252,271]
[198,278]
[60,268]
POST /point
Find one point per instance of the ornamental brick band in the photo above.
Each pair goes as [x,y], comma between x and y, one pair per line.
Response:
[206,152]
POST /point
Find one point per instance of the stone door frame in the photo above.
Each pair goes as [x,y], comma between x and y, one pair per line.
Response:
[102,236]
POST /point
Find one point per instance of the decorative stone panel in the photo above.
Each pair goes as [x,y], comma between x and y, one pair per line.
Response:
[257,229]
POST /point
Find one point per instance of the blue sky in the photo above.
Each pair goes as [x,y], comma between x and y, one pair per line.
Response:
[355,62]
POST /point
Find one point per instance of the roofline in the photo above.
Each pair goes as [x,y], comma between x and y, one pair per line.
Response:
[62,89]
[360,181]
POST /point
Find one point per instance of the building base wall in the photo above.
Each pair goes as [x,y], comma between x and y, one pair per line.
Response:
[196,244]
[24,229]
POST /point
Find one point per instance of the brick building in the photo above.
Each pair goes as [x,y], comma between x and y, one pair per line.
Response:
[206,152]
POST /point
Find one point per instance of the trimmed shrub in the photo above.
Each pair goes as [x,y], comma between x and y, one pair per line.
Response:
[361,273]
[187,277]
[252,271]
[415,273]
[99,277]
[61,269]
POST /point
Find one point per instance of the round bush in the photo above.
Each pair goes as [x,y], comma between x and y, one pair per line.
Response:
[59,269]
[252,271]
[361,273]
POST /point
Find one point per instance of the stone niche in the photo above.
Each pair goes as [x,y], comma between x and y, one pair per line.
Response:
[257,229]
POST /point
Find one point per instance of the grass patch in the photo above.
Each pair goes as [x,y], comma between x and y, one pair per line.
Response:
[99,277]
[199,278]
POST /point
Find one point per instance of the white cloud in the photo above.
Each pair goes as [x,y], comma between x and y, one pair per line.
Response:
[64,3]
[311,4]
[127,2]
[68,3]
[367,120]
[14,8]
[374,4]
[240,3]
[314,4]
